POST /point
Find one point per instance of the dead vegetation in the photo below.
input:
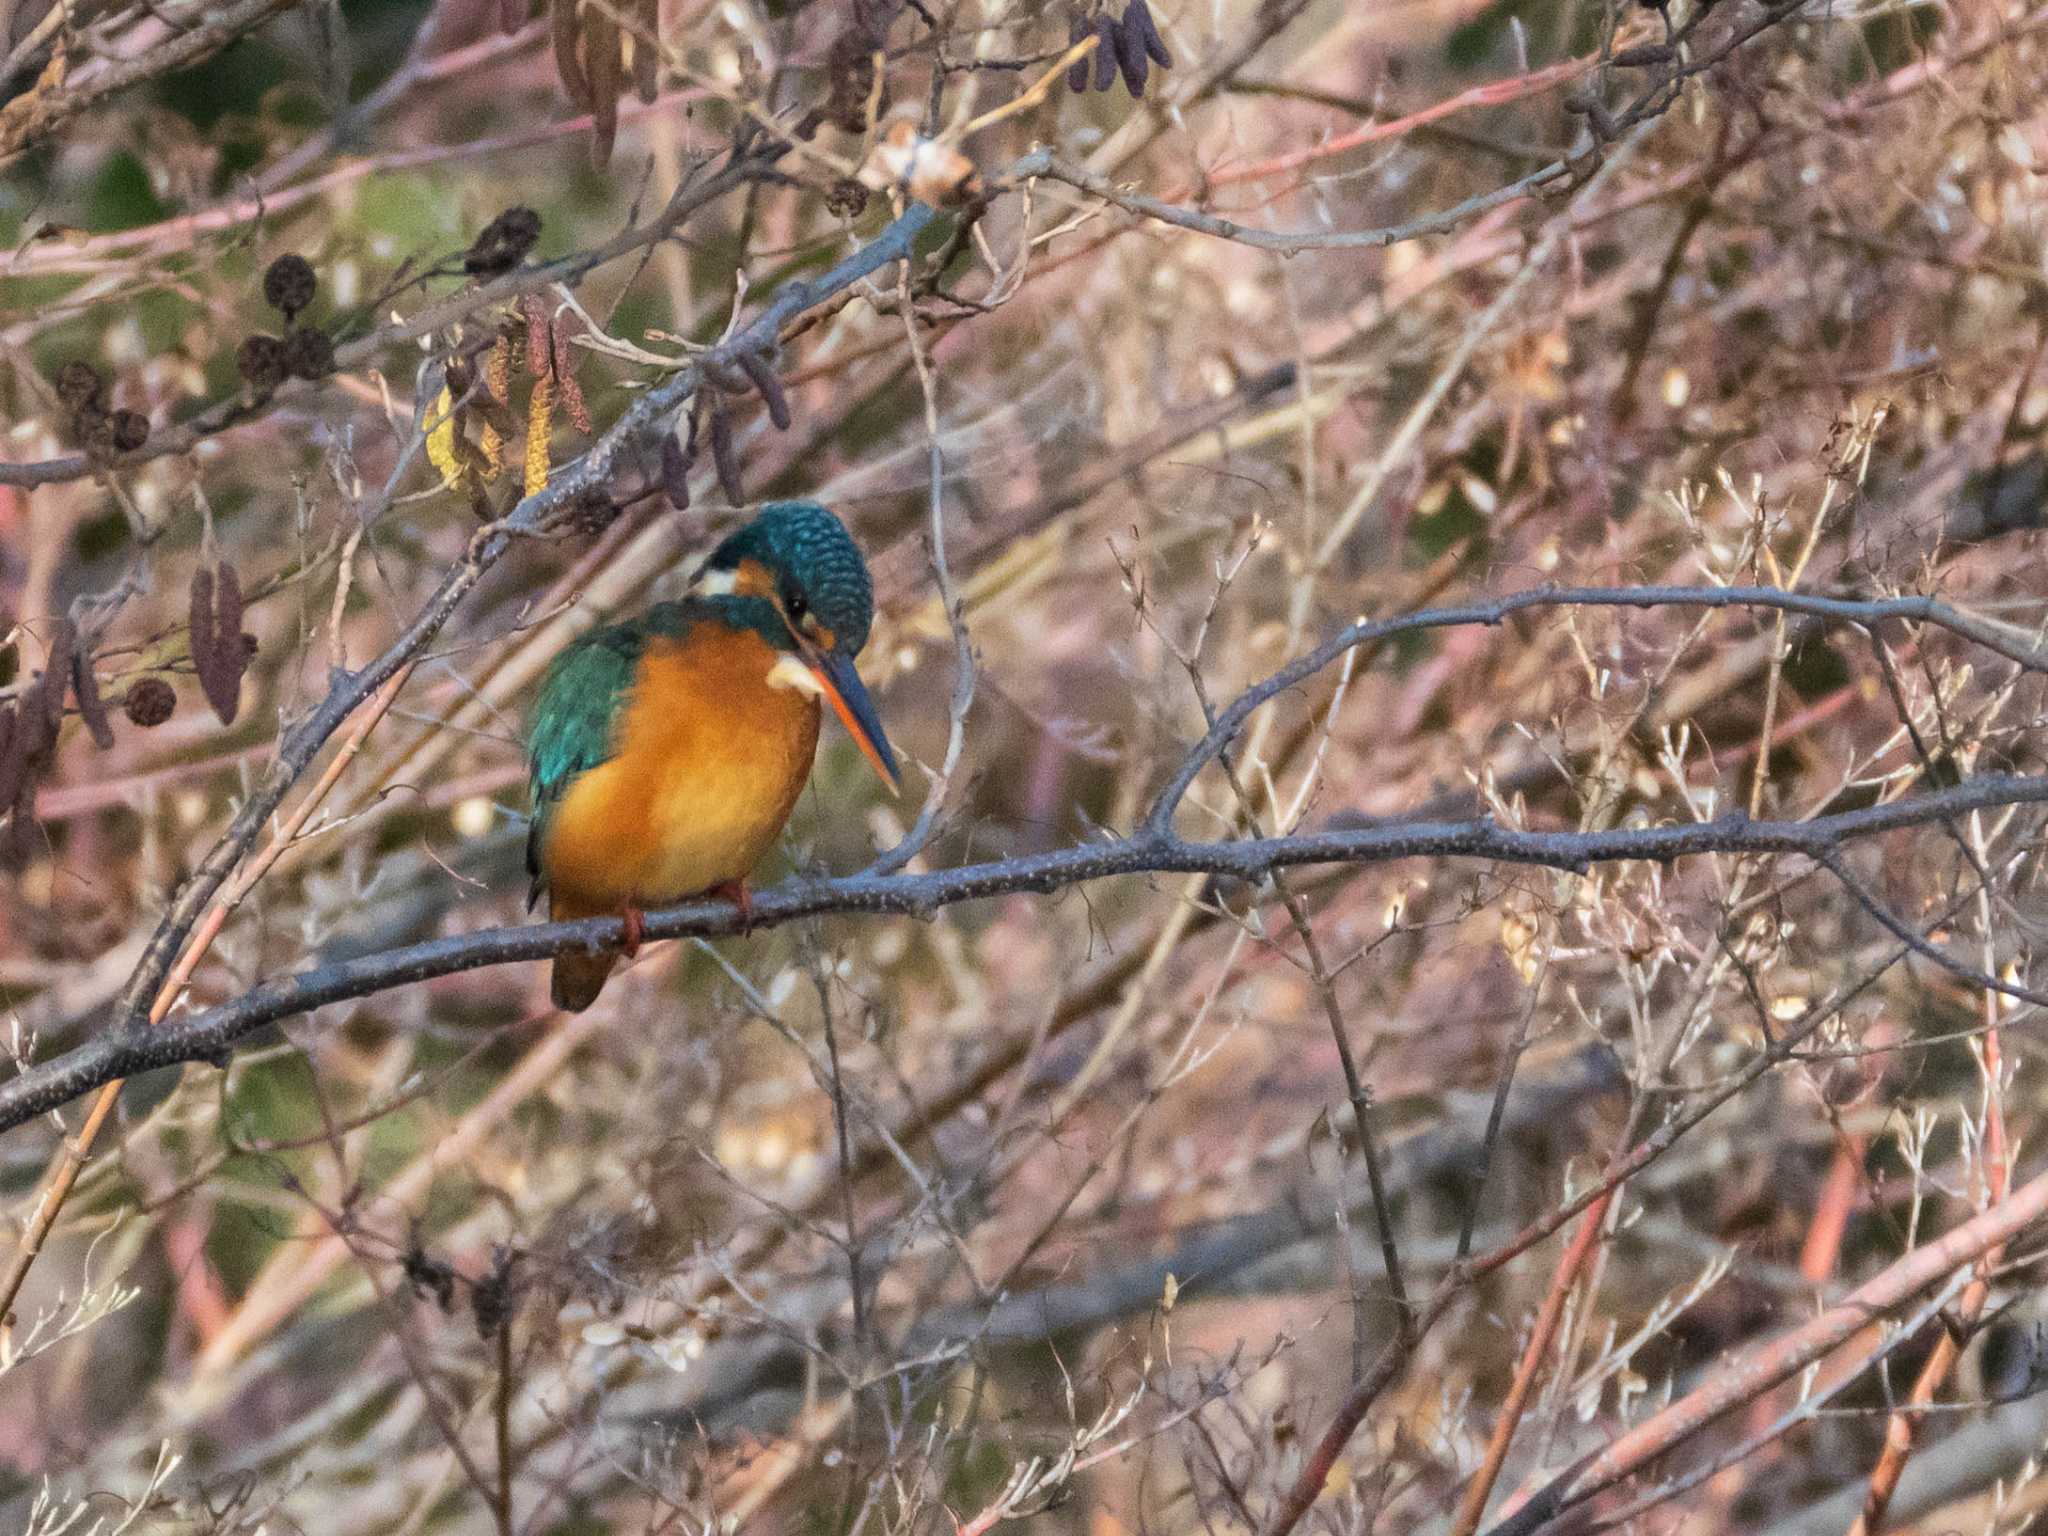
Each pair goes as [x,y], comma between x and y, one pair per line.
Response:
[1462,589]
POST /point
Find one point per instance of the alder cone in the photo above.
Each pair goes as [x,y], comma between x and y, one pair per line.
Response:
[149,702]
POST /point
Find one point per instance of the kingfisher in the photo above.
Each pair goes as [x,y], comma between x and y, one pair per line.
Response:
[664,754]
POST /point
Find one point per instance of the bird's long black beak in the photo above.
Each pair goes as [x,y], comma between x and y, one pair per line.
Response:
[856,711]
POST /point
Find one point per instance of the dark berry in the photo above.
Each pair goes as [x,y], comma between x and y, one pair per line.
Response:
[288,284]
[149,701]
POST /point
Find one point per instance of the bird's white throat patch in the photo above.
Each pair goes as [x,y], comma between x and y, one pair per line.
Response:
[790,672]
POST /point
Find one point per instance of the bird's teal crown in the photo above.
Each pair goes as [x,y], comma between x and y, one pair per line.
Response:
[816,566]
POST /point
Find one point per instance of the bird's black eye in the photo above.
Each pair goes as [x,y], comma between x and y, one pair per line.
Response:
[795,606]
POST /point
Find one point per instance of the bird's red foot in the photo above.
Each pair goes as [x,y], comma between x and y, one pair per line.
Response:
[636,931]
[735,891]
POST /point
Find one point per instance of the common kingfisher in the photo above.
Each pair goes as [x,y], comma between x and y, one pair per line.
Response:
[664,754]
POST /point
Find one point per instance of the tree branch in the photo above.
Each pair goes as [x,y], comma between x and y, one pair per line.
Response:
[640,424]
[214,1033]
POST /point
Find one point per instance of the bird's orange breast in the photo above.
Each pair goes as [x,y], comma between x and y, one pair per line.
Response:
[710,758]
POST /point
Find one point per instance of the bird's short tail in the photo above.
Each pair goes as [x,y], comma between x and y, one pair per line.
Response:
[577,980]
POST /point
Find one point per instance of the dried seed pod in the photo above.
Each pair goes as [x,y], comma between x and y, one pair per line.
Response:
[675,473]
[92,709]
[261,361]
[1078,71]
[540,342]
[503,243]
[227,623]
[1138,18]
[1105,53]
[756,368]
[601,63]
[646,52]
[309,353]
[21,840]
[130,430]
[724,458]
[199,617]
[219,650]
[562,24]
[13,754]
[55,678]
[1130,57]
[149,702]
[565,376]
[289,284]
[79,385]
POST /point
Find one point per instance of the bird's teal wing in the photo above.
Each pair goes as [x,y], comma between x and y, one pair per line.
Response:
[573,724]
